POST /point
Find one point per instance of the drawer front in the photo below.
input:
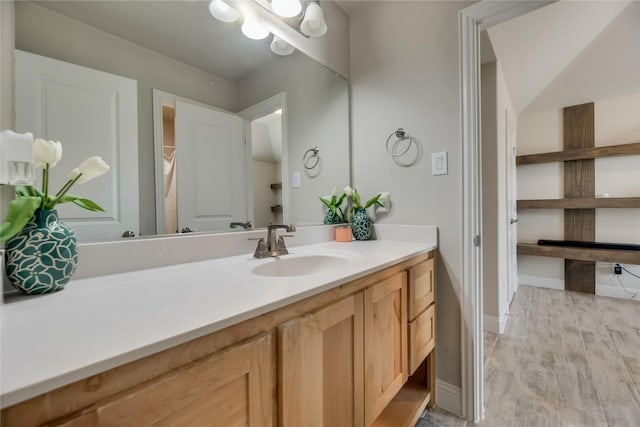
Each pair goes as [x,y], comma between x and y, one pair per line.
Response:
[421,287]
[422,337]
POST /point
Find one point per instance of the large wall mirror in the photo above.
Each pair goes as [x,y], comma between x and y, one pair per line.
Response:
[202,126]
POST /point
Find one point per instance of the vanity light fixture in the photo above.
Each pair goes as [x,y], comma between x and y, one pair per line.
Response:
[281,47]
[253,29]
[220,10]
[313,23]
[286,8]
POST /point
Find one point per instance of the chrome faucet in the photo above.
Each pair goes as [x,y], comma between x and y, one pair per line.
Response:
[275,244]
[246,225]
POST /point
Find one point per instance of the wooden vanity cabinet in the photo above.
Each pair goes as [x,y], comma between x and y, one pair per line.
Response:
[358,355]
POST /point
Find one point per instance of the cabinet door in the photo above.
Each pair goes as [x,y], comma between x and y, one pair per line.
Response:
[320,367]
[421,288]
[385,343]
[233,387]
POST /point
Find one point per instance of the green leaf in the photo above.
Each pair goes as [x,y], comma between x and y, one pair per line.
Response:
[341,199]
[20,210]
[83,203]
[325,201]
[27,191]
[373,200]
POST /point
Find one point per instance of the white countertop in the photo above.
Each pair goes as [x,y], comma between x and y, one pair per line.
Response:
[99,323]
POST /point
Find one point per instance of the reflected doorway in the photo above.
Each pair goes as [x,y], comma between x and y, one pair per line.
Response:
[266,159]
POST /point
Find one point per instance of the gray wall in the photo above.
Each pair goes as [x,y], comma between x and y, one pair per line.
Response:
[323,123]
[40,31]
[405,73]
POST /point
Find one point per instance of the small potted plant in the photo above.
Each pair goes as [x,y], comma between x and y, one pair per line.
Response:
[361,223]
[41,250]
[335,214]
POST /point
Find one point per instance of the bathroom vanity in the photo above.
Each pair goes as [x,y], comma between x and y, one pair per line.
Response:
[216,343]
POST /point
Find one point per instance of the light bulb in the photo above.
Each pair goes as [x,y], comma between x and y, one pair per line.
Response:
[253,29]
[281,47]
[286,8]
[220,10]
[313,24]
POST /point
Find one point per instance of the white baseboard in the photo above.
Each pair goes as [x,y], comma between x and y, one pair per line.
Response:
[494,324]
[449,397]
[616,292]
[541,282]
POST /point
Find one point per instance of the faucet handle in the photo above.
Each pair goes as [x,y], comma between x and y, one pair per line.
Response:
[261,249]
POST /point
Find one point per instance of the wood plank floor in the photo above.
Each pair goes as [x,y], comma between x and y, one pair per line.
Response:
[565,359]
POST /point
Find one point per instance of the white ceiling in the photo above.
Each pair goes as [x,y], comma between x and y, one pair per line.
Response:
[182,30]
[569,52]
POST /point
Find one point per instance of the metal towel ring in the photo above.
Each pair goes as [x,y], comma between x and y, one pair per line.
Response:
[306,158]
[401,135]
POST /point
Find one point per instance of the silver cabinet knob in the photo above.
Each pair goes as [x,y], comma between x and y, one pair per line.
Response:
[128,233]
[186,230]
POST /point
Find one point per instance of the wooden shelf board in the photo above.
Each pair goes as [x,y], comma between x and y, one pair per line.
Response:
[580,254]
[406,407]
[579,154]
[583,203]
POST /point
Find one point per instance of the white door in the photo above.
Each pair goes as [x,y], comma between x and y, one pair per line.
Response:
[210,168]
[512,196]
[93,114]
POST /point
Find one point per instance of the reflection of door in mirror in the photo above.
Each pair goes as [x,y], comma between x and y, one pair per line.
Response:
[201,171]
[266,156]
[92,113]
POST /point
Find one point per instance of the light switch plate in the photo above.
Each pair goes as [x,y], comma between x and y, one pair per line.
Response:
[295,180]
[439,163]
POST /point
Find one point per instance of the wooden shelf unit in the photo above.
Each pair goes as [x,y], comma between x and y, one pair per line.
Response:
[579,202]
[582,203]
[579,154]
[580,254]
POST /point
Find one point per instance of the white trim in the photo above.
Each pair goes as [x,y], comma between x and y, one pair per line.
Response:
[495,324]
[449,397]
[472,20]
[254,112]
[541,282]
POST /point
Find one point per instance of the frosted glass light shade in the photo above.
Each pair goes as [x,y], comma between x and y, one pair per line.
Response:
[220,10]
[286,8]
[254,30]
[281,47]
[313,23]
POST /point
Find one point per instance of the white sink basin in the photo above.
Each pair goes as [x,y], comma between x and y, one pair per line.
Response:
[299,265]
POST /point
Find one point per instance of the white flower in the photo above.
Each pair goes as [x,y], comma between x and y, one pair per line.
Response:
[46,152]
[90,168]
[335,191]
[348,191]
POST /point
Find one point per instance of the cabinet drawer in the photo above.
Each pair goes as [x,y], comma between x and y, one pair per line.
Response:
[422,335]
[421,286]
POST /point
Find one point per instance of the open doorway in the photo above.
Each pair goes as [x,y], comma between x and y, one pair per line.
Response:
[266,129]
[266,159]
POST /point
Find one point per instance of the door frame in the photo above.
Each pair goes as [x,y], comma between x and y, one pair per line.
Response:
[252,113]
[472,20]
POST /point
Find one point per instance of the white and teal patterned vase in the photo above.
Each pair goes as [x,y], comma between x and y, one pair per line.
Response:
[43,256]
[361,224]
[332,218]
